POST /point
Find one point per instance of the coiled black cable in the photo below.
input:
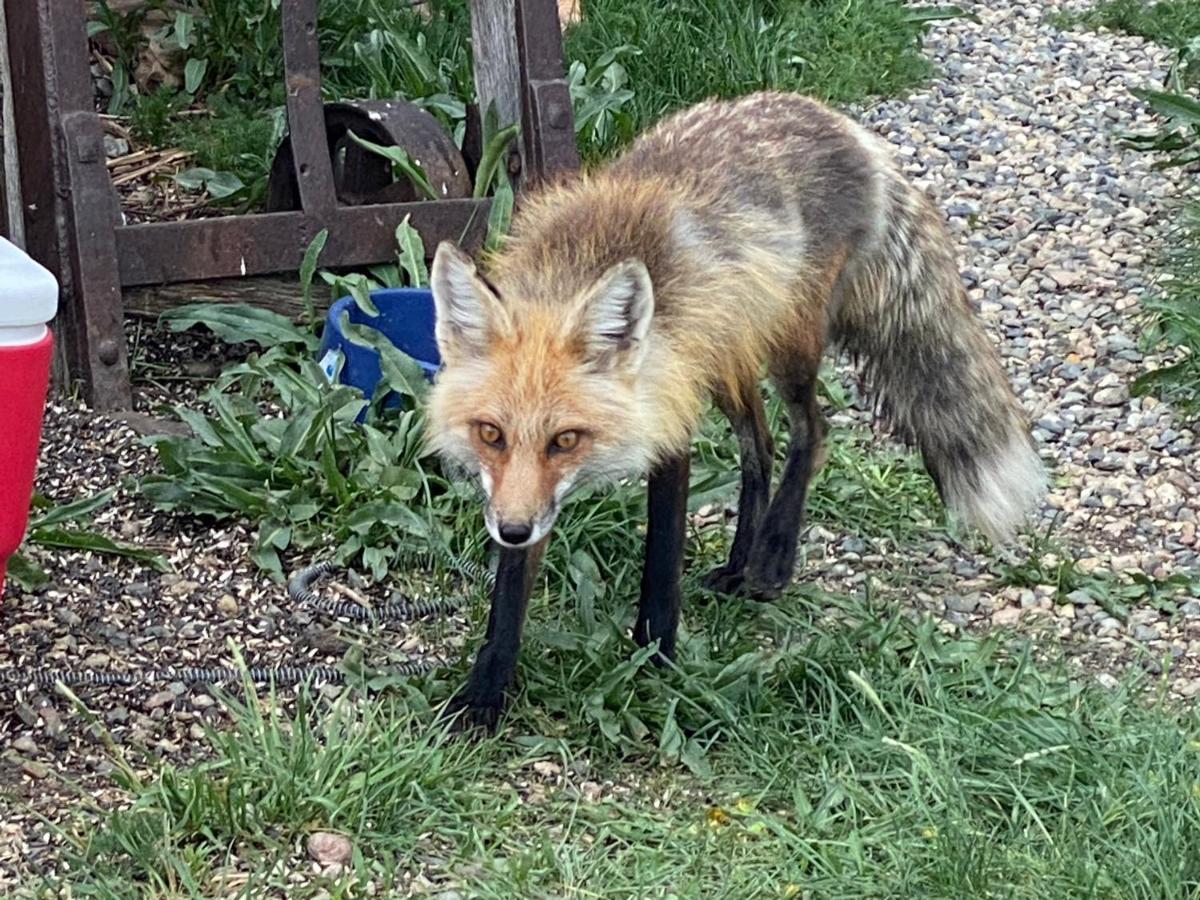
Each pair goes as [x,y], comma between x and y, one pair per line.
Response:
[299,589]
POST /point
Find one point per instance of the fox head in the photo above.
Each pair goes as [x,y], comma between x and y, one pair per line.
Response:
[539,395]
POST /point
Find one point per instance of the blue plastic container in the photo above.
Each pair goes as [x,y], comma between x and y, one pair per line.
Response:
[406,317]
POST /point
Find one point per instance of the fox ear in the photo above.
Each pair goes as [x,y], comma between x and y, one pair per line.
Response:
[467,308]
[615,316]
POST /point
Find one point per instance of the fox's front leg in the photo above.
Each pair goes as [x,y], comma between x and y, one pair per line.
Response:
[481,700]
[660,600]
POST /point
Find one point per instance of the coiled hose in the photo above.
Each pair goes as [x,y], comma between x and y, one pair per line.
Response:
[299,590]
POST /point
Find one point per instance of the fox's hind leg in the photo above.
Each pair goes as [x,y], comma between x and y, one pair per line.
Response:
[773,555]
[756,452]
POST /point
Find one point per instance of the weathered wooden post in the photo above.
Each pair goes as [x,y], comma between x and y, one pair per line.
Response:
[519,68]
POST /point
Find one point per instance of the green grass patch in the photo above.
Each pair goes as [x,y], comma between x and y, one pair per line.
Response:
[685,51]
[1172,23]
[818,747]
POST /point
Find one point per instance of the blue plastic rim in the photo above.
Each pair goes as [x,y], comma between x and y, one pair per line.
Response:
[406,318]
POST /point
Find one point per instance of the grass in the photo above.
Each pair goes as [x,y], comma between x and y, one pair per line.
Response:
[1172,23]
[683,52]
[819,747]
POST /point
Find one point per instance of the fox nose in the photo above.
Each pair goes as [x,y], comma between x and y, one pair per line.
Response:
[515,532]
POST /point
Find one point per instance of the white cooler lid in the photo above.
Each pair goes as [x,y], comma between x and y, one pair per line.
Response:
[28,292]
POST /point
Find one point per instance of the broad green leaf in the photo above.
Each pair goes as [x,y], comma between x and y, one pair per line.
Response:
[308,267]
[412,254]
[693,756]
[401,373]
[25,574]
[401,163]
[234,431]
[500,215]
[185,26]
[193,77]
[70,512]
[223,184]
[78,539]
[1177,107]
[240,323]
[494,153]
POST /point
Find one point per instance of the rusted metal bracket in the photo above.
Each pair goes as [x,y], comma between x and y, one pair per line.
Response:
[547,119]
[73,223]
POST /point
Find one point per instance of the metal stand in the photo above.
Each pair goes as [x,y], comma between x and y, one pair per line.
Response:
[72,217]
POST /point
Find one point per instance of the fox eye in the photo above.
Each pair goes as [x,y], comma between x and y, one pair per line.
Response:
[491,435]
[565,441]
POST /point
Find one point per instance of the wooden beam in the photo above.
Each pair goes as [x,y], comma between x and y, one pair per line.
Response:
[279,293]
[497,62]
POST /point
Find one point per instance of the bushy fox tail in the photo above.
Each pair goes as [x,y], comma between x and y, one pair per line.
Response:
[903,313]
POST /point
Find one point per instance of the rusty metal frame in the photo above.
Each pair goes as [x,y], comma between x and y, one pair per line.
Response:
[73,221]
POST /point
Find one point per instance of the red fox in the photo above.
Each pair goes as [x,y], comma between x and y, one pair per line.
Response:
[733,238]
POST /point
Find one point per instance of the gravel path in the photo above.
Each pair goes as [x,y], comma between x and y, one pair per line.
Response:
[1058,224]
[1018,141]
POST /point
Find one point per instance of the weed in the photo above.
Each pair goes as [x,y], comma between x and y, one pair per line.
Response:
[1049,563]
[58,528]
[1173,312]
[1174,319]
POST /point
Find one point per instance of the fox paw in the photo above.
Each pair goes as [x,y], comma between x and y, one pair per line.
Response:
[764,591]
[475,709]
[724,580]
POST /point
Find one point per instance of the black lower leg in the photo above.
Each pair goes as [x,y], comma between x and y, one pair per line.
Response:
[756,454]
[773,556]
[481,700]
[658,605]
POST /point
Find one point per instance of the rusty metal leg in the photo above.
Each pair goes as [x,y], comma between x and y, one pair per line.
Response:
[69,208]
[305,112]
[547,120]
[96,309]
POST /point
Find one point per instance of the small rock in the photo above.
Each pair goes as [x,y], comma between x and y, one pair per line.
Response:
[1009,615]
[162,698]
[1080,597]
[1112,396]
[1146,633]
[962,604]
[329,849]
[1063,278]
[227,605]
[115,146]
[25,744]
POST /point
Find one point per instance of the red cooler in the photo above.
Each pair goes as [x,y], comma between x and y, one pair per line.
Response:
[28,301]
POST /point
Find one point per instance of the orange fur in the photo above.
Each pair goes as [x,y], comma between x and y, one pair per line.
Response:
[766,226]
